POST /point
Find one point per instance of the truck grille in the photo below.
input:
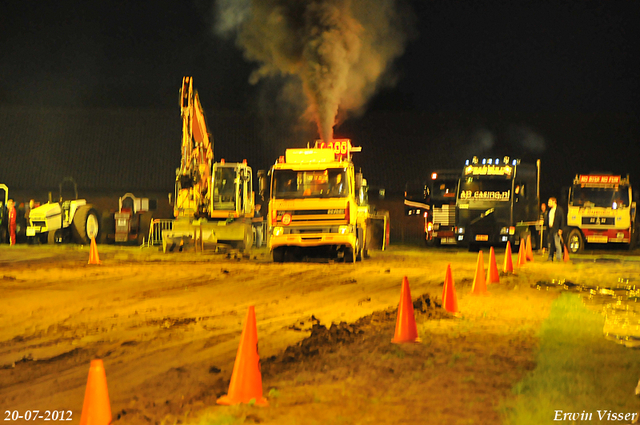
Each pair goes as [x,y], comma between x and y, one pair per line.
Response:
[595,221]
[445,215]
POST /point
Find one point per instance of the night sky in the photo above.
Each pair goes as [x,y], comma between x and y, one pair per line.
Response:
[555,80]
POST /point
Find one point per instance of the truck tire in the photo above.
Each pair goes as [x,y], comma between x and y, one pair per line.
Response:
[433,242]
[575,241]
[86,224]
[633,239]
[278,254]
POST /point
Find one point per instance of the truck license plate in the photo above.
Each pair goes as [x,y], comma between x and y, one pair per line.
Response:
[597,239]
[482,237]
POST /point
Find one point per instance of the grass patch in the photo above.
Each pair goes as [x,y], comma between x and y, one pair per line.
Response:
[577,370]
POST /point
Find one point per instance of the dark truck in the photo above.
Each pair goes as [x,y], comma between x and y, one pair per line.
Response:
[498,202]
[435,200]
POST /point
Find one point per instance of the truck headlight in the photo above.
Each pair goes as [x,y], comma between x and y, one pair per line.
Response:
[343,230]
[277,231]
[460,230]
[508,230]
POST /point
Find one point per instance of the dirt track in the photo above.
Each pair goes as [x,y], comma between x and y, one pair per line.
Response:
[168,327]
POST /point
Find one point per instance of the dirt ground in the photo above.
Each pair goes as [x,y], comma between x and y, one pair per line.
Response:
[168,326]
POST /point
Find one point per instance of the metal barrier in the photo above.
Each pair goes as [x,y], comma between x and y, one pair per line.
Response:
[156,228]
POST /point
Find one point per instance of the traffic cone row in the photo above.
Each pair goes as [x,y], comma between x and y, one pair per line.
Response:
[522,256]
[529,250]
[94,258]
[246,379]
[508,259]
[449,298]
[406,330]
[494,277]
[96,409]
[479,282]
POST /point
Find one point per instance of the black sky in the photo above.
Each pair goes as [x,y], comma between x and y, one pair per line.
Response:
[510,69]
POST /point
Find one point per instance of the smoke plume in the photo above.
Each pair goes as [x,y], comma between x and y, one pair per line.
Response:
[339,51]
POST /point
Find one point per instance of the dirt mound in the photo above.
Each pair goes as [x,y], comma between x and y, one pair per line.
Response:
[327,340]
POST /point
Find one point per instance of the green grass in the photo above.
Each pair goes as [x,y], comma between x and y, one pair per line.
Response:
[577,369]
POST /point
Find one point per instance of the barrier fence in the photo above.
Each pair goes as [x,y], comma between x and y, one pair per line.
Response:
[155,231]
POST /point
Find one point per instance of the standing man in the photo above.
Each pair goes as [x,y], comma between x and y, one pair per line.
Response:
[555,221]
[12,221]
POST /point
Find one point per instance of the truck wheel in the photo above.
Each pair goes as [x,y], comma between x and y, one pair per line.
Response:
[359,245]
[575,241]
[278,254]
[349,256]
[433,242]
[86,224]
[51,237]
[633,239]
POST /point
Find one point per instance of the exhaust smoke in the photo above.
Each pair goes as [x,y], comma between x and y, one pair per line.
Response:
[339,51]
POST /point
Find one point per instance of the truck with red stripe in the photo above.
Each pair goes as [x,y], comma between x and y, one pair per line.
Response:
[601,210]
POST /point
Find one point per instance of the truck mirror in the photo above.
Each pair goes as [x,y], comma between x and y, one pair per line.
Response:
[358,181]
[262,182]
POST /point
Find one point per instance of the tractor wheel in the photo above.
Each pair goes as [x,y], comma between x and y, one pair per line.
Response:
[86,224]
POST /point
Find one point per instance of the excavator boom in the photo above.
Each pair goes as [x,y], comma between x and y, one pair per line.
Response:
[194,174]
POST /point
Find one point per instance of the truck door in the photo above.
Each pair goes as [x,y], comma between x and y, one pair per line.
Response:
[520,204]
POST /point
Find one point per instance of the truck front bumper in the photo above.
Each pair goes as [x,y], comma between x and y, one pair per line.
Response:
[345,236]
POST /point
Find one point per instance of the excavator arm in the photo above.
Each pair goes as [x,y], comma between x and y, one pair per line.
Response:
[194,176]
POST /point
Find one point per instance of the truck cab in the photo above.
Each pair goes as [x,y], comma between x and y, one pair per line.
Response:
[318,204]
[498,202]
[601,209]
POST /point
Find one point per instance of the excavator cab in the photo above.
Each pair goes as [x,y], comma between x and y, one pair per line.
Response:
[232,189]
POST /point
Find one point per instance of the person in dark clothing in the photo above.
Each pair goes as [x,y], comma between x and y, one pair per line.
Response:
[555,221]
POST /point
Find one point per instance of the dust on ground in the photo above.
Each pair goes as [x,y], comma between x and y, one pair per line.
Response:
[168,326]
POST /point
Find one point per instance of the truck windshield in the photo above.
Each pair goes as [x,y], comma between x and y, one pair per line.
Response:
[224,189]
[602,197]
[329,183]
[475,189]
[443,189]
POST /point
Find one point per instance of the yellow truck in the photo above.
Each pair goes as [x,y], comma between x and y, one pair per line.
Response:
[319,206]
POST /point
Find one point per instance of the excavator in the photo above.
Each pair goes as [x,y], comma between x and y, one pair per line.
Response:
[214,202]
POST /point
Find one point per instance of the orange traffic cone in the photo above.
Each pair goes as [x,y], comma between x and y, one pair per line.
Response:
[529,250]
[508,259]
[522,256]
[96,409]
[479,282]
[246,378]
[406,330]
[93,253]
[449,298]
[565,256]
[494,277]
